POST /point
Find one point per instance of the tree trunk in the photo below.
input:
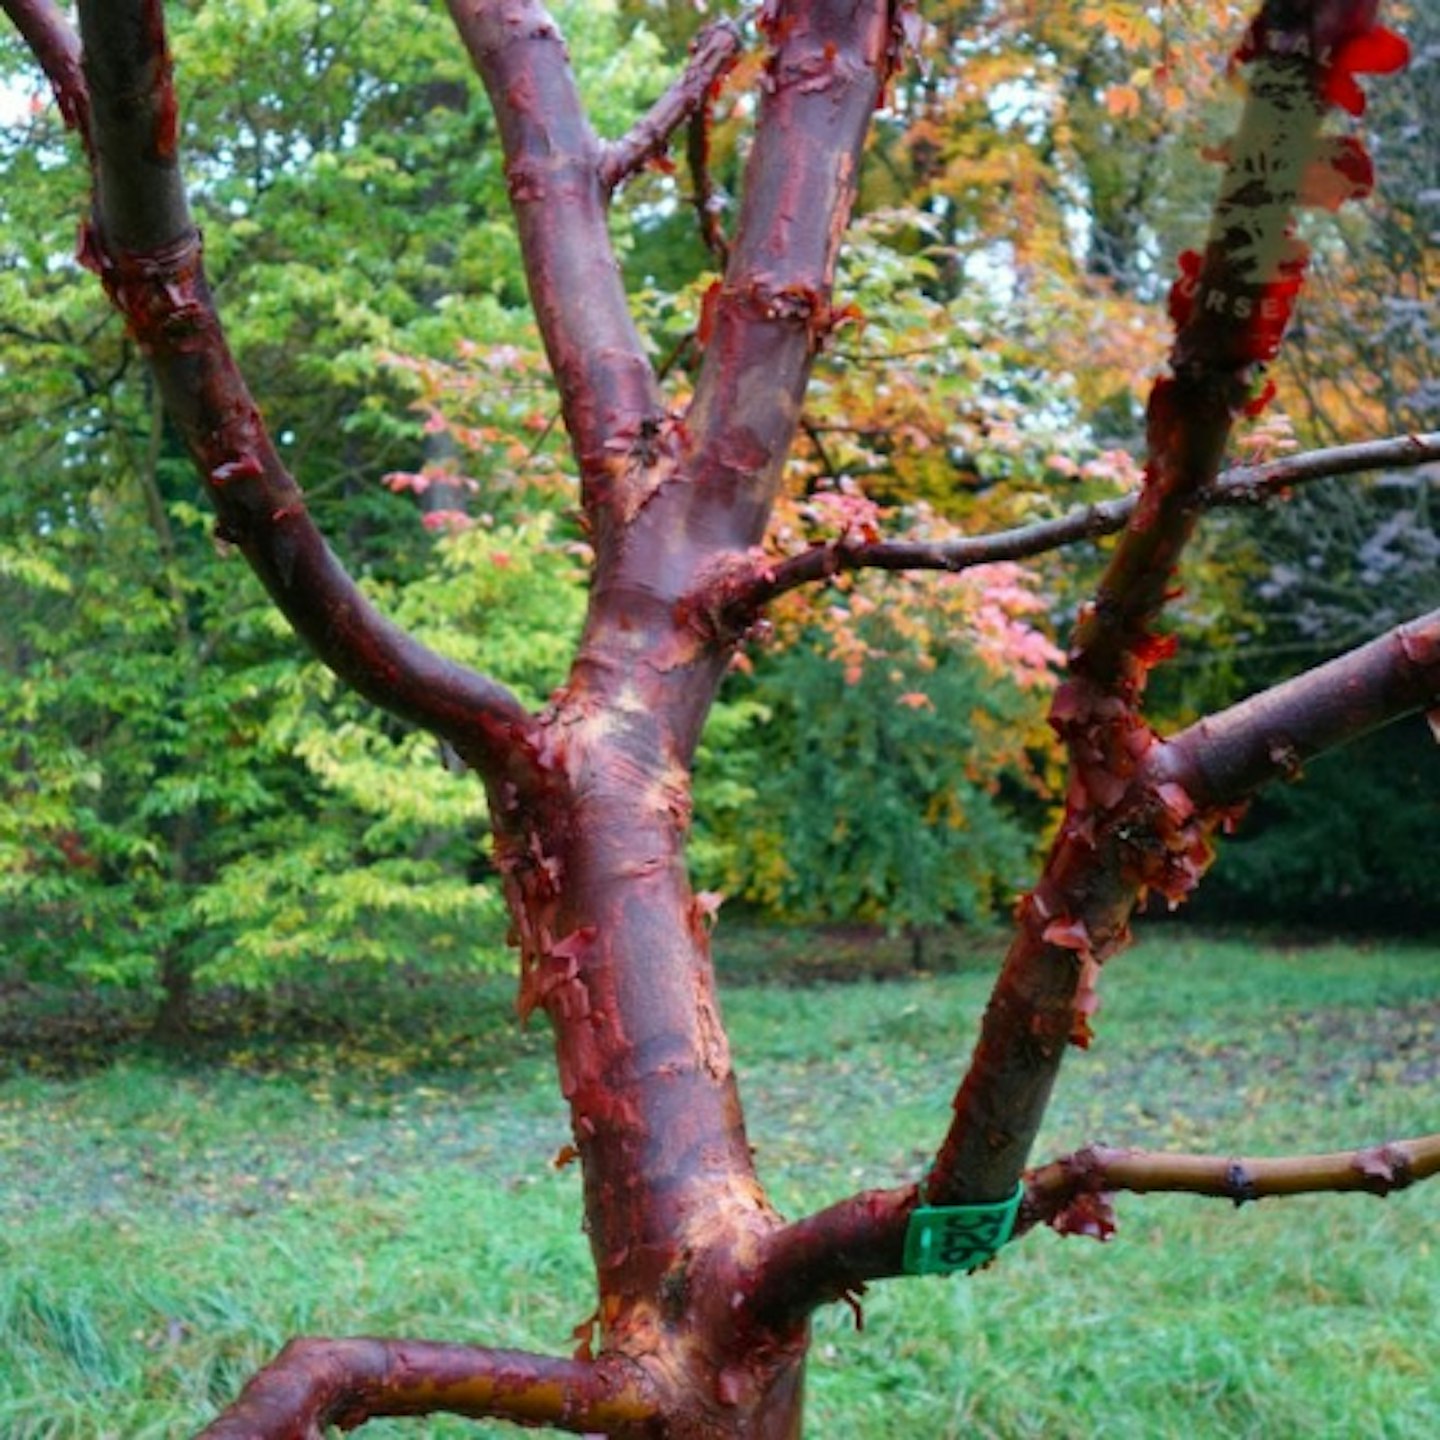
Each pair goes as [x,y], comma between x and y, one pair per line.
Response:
[173,1023]
[916,936]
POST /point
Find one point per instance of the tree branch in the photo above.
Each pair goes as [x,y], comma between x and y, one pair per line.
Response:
[1252,265]
[142,244]
[1255,484]
[1100,1171]
[839,1250]
[1220,761]
[1228,756]
[706,199]
[712,55]
[1120,836]
[832,1253]
[745,593]
[57,49]
[313,1384]
[553,163]
[765,321]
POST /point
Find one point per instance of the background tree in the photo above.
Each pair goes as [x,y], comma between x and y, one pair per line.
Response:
[704,1291]
[125,860]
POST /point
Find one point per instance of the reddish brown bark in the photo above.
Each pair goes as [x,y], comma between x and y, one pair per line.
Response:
[313,1384]
[703,1293]
[713,54]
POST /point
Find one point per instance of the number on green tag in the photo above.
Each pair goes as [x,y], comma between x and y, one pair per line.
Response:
[942,1239]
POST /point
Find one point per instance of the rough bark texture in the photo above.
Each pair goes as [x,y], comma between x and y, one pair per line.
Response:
[704,1294]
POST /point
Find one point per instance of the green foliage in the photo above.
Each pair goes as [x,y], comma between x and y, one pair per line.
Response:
[183,799]
[169,807]
[1354,843]
[871,795]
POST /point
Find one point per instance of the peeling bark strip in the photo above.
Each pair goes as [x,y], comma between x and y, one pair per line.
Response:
[704,1293]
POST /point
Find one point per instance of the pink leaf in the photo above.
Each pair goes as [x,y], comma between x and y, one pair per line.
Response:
[446,520]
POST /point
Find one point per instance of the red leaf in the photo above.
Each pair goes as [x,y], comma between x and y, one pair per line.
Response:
[1342,171]
[1376,52]
[1257,403]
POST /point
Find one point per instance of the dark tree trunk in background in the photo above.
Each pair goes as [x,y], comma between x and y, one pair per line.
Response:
[173,1024]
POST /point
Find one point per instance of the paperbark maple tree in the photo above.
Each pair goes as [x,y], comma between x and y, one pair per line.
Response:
[704,1290]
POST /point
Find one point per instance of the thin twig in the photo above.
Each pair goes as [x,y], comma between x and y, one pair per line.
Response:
[1244,485]
[1101,1170]
[704,196]
[714,52]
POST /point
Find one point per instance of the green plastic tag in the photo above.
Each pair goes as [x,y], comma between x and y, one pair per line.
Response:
[942,1239]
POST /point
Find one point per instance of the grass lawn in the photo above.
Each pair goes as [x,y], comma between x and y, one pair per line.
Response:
[384,1166]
